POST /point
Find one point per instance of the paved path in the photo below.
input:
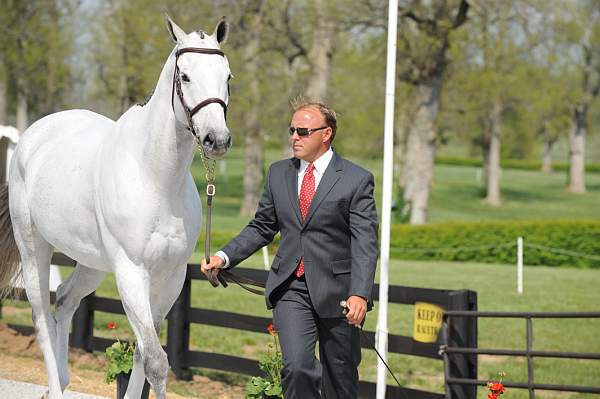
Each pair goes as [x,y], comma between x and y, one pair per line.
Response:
[24,390]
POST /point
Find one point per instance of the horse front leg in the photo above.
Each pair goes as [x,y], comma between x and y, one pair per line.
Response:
[83,281]
[133,283]
[163,293]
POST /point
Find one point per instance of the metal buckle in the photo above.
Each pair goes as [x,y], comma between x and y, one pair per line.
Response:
[210,189]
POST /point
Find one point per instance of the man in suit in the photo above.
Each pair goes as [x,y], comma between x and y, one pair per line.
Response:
[323,206]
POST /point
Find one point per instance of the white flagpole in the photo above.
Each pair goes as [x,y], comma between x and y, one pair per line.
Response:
[386,202]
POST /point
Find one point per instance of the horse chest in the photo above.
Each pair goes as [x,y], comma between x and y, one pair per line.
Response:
[169,243]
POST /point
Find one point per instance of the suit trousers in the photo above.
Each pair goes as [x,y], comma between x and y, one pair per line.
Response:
[299,328]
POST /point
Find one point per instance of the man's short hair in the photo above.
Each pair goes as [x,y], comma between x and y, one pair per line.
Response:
[327,112]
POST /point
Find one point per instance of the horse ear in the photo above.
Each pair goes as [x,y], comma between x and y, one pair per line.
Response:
[221,31]
[175,31]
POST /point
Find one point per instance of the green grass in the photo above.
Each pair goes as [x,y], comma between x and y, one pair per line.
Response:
[545,289]
[457,195]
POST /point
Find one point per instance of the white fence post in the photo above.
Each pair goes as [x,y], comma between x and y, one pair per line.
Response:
[265,252]
[520,265]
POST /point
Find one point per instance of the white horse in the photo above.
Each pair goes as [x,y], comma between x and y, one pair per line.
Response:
[117,197]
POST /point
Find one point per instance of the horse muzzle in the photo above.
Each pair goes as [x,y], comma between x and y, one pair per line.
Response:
[216,145]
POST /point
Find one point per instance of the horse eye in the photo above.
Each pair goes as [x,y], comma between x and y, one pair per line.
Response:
[229,77]
[185,78]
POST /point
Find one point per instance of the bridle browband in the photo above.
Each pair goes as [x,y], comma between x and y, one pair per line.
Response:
[189,113]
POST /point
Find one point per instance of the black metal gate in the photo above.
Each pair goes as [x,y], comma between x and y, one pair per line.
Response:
[451,350]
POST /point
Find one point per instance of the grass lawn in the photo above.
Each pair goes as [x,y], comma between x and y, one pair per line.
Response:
[456,196]
[545,289]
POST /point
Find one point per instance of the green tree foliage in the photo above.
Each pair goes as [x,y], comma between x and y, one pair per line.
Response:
[36,46]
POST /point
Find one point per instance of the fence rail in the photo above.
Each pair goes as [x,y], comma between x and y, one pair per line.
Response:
[182,315]
[449,349]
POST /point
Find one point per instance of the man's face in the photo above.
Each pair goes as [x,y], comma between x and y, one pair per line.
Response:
[310,147]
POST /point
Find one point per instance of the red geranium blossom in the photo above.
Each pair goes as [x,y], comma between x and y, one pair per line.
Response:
[496,388]
[271,329]
[111,325]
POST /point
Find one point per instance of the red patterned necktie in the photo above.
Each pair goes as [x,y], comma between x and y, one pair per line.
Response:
[307,192]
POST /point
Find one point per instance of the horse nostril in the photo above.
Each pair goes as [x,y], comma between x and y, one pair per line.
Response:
[209,140]
[228,141]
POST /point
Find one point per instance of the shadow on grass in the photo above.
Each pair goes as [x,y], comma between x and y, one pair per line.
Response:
[593,187]
[222,376]
[511,194]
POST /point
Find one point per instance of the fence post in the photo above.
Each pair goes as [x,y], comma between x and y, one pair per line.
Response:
[178,333]
[520,265]
[82,328]
[463,333]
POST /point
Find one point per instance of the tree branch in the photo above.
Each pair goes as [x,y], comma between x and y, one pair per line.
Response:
[461,17]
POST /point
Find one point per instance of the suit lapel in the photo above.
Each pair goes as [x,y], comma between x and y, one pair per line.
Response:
[292,185]
[330,177]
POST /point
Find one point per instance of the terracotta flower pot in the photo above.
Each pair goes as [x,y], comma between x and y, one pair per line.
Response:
[123,381]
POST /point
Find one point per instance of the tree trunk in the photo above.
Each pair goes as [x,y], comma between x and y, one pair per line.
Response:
[401,133]
[123,89]
[421,146]
[254,152]
[576,183]
[50,105]
[320,53]
[493,170]
[22,118]
[547,154]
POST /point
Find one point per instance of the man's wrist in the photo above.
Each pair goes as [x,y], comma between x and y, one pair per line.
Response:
[224,257]
[360,296]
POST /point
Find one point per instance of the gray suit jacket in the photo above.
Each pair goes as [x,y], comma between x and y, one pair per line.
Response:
[338,240]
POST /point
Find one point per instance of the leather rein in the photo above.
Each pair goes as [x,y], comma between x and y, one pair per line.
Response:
[216,276]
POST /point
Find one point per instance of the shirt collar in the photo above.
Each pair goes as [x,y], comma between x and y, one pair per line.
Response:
[320,163]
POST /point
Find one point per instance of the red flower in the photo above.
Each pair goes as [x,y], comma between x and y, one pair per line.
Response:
[271,329]
[111,325]
[497,388]
[493,396]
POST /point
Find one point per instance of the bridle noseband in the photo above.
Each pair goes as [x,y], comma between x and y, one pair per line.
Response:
[189,113]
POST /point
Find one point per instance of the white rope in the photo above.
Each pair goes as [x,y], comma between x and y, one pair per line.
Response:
[453,249]
[562,251]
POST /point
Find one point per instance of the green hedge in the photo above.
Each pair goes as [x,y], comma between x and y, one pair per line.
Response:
[496,242]
[490,242]
[523,164]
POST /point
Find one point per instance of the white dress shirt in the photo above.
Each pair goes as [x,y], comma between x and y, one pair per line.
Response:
[320,165]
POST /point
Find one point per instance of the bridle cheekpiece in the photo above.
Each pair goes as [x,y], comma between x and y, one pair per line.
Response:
[190,112]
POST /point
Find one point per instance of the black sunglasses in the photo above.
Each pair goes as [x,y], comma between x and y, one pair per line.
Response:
[304,131]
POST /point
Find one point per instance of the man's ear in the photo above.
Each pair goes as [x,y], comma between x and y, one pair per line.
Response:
[221,31]
[177,34]
[328,135]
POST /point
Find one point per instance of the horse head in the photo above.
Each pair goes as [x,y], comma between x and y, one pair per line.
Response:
[201,86]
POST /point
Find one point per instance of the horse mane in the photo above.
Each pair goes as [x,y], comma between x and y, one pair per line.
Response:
[146,100]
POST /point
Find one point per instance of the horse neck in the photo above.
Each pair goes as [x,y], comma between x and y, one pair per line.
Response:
[166,147]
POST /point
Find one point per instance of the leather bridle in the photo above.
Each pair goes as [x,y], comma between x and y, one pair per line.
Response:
[216,276]
[190,112]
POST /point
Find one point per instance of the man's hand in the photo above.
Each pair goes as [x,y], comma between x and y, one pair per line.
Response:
[215,263]
[356,309]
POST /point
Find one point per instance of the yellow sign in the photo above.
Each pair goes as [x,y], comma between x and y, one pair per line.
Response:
[428,321]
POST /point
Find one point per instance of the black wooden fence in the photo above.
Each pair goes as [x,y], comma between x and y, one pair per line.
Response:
[181,358]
